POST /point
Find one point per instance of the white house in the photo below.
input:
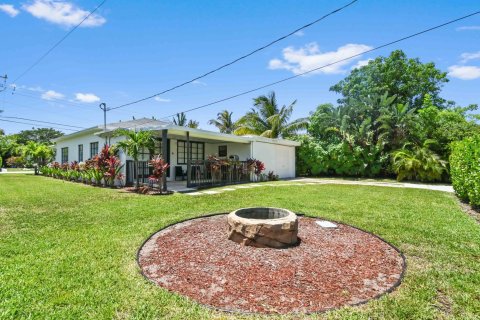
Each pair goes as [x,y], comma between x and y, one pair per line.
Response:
[278,155]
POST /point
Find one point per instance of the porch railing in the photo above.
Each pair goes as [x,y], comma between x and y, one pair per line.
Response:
[205,173]
[144,171]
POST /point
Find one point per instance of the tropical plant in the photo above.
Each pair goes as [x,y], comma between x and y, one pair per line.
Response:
[136,142]
[256,167]
[113,169]
[193,124]
[395,123]
[266,119]
[159,169]
[180,119]
[37,153]
[418,163]
[224,122]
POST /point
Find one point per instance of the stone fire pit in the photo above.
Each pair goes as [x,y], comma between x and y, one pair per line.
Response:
[263,227]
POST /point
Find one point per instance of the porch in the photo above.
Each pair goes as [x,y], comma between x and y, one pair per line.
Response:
[188,155]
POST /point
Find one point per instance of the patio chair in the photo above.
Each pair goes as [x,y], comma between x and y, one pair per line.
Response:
[179,173]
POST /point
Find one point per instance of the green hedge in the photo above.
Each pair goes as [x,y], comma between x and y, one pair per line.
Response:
[465,169]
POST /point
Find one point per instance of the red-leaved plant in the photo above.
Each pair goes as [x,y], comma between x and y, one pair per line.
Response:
[159,168]
[255,166]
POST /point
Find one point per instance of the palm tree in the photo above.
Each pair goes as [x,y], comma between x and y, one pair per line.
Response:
[37,153]
[136,141]
[267,120]
[192,124]
[418,163]
[180,120]
[394,123]
[224,122]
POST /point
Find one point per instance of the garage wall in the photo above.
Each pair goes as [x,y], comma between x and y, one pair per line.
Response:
[277,158]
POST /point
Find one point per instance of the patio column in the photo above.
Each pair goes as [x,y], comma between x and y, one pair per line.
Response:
[189,165]
[164,156]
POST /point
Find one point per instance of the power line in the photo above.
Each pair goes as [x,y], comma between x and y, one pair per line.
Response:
[58,43]
[30,107]
[61,102]
[32,124]
[55,123]
[237,59]
[325,66]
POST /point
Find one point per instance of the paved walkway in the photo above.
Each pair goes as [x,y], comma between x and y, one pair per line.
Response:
[313,181]
[5,171]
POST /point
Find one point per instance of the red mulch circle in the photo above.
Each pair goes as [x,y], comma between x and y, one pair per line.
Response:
[330,268]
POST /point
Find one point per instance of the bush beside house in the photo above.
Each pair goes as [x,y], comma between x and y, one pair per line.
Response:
[465,169]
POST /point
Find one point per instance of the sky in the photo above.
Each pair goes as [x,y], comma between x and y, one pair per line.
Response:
[128,50]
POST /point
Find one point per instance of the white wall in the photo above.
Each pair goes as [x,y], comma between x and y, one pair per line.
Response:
[72,145]
[242,150]
[277,158]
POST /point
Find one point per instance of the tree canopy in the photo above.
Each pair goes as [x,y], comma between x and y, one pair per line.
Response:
[409,80]
[266,119]
[390,120]
[39,135]
[224,122]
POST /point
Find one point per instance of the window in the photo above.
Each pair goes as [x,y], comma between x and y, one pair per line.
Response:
[65,155]
[80,152]
[222,151]
[93,149]
[197,151]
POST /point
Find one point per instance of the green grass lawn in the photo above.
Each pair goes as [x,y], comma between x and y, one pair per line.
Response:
[67,251]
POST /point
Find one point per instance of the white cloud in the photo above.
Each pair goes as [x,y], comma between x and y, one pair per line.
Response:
[464,72]
[35,89]
[467,56]
[9,9]
[63,13]
[52,95]
[86,97]
[199,83]
[161,99]
[310,57]
[361,63]
[299,33]
[466,28]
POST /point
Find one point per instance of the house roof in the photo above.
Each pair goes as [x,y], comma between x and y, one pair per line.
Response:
[157,125]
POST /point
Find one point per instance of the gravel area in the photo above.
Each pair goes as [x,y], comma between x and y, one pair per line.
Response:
[328,269]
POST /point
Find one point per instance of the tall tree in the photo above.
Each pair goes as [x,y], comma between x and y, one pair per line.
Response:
[192,124]
[407,79]
[180,119]
[136,142]
[266,119]
[224,122]
[39,135]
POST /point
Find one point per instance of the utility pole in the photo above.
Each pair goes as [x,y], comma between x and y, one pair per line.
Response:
[103,106]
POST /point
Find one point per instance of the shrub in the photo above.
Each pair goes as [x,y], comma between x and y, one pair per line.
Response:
[159,168]
[15,162]
[272,176]
[465,169]
[418,163]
